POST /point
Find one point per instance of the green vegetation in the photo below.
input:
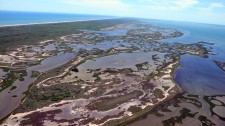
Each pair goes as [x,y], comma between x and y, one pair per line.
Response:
[44,96]
[11,77]
[31,34]
[81,62]
[96,74]
[158,93]
[134,109]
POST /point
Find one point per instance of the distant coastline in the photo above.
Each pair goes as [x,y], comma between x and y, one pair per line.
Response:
[14,25]
[18,18]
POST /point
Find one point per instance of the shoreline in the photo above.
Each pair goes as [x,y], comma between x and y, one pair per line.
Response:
[58,22]
[145,112]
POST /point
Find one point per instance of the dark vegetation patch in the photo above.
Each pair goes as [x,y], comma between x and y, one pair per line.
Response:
[208,100]
[74,69]
[184,113]
[158,93]
[11,77]
[156,113]
[142,66]
[205,121]
[44,96]
[112,102]
[134,109]
[165,87]
[12,88]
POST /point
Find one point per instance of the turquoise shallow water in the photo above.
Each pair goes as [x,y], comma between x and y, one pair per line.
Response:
[15,18]
[199,75]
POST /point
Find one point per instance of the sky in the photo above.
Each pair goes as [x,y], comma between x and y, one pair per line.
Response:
[202,11]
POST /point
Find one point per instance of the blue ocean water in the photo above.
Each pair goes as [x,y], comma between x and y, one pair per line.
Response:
[196,32]
[16,17]
[198,75]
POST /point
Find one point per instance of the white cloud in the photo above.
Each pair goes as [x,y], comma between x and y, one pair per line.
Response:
[170,4]
[100,4]
[212,6]
[216,5]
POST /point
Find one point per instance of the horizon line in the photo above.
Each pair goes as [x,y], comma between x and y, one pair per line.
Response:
[116,16]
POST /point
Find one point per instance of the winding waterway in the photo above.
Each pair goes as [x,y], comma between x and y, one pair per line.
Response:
[198,75]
